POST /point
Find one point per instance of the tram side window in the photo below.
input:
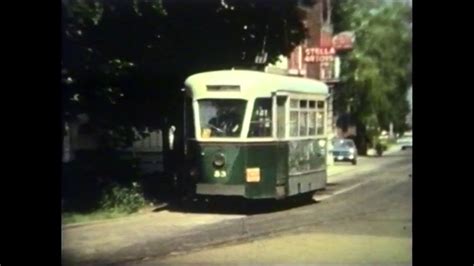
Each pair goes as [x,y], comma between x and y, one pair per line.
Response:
[303,118]
[293,103]
[294,117]
[306,118]
[261,122]
[293,123]
[320,118]
[312,123]
[312,118]
[303,123]
[320,123]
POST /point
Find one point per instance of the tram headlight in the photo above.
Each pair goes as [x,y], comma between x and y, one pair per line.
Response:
[219,160]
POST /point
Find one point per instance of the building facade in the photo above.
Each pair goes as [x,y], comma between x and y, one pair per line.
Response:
[316,57]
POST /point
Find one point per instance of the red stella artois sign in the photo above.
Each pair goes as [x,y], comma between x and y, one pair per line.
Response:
[319,54]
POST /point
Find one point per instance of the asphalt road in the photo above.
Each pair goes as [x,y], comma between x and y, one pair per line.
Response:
[155,235]
[363,220]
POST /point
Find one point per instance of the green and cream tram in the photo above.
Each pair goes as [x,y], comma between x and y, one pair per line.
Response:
[254,134]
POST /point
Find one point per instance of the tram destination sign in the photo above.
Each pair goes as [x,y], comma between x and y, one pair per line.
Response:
[223,88]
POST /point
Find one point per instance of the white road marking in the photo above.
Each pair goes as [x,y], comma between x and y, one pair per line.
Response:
[344,190]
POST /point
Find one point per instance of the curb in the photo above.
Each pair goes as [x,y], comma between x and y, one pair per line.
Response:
[103,221]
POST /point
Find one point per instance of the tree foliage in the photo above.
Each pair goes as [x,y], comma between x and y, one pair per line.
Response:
[376,73]
[124,62]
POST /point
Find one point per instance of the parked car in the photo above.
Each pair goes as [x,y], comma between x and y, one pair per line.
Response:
[405,142]
[344,150]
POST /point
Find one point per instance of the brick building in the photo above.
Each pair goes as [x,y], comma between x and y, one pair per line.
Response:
[320,36]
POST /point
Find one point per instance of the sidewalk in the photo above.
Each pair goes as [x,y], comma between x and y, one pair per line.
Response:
[87,242]
[114,239]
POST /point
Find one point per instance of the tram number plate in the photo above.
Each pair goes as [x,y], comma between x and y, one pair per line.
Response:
[218,174]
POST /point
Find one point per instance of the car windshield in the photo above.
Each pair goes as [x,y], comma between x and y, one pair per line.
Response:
[221,117]
[343,143]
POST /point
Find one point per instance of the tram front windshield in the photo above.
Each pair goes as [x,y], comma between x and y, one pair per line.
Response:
[221,117]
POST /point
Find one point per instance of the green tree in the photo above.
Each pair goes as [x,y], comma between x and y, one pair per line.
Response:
[376,74]
[124,62]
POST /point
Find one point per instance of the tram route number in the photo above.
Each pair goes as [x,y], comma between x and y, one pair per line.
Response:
[220,174]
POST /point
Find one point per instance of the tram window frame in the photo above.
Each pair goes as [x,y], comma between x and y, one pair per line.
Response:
[234,117]
[320,110]
[303,125]
[303,117]
[259,121]
[294,123]
[312,128]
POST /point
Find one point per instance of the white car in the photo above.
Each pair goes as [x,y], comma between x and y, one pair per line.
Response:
[344,150]
[405,142]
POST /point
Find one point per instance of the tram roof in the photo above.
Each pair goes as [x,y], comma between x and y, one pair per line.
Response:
[252,84]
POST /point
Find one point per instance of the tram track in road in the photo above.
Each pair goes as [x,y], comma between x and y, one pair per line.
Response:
[378,210]
[310,215]
[259,223]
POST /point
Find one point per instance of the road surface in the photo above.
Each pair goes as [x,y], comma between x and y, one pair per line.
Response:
[366,223]
[153,236]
